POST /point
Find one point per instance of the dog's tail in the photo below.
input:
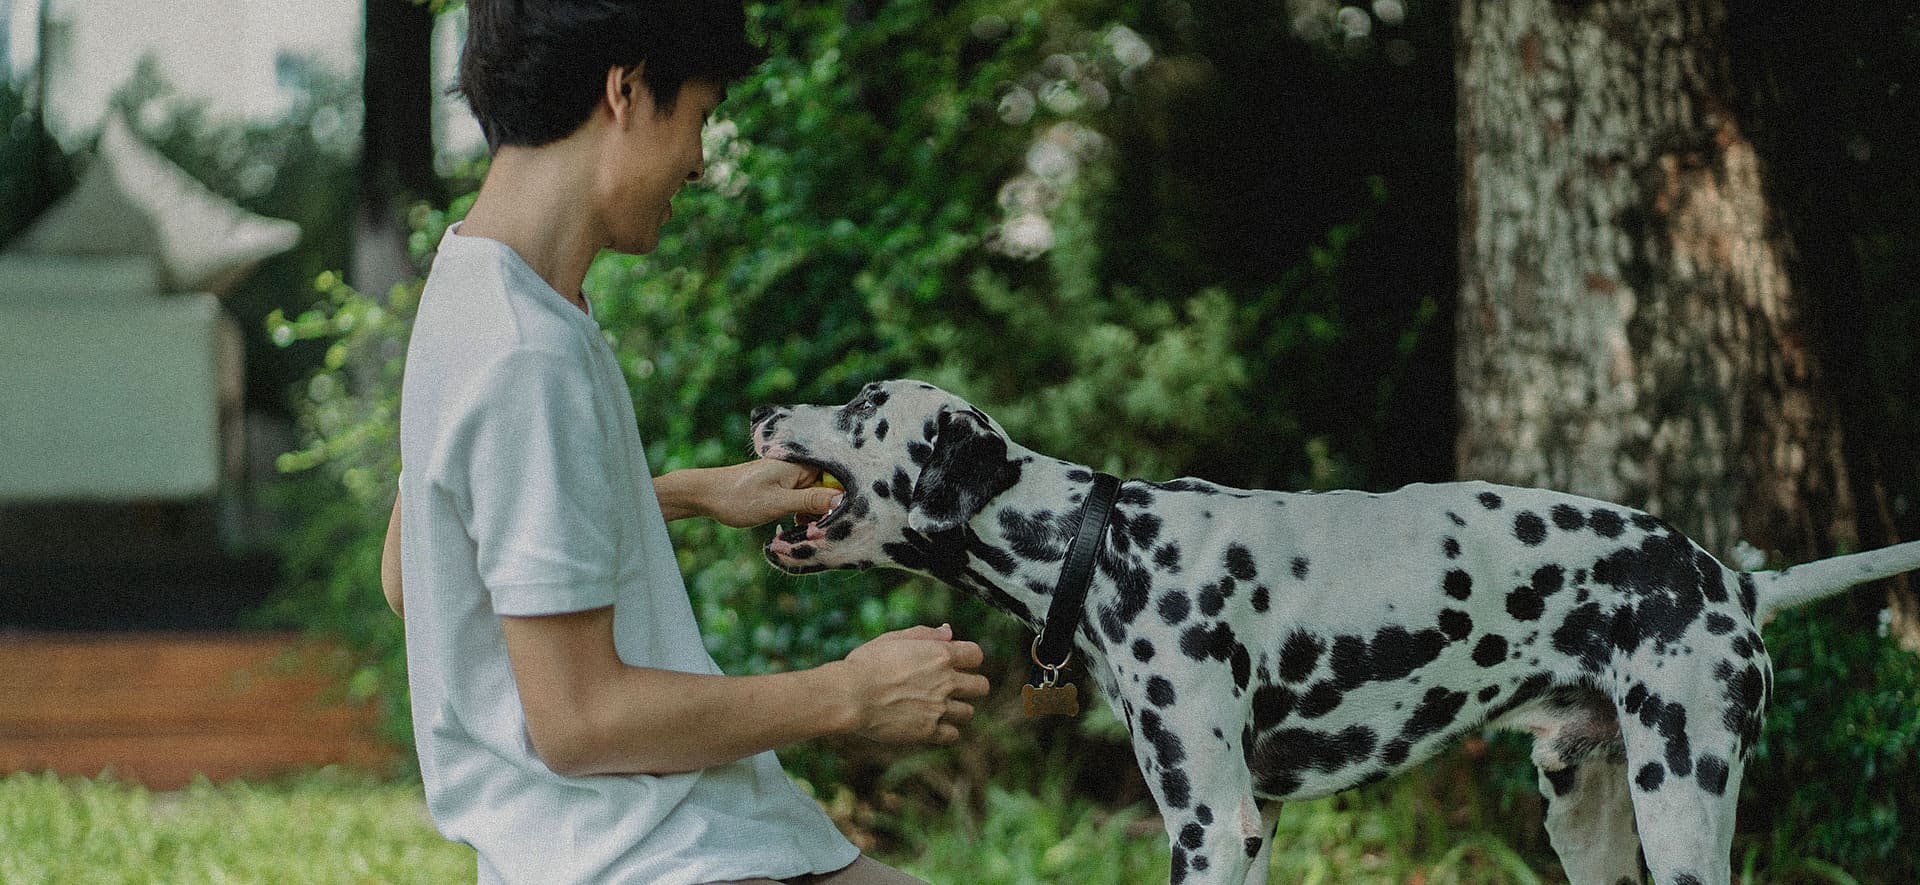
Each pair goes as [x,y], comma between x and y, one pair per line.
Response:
[1800,584]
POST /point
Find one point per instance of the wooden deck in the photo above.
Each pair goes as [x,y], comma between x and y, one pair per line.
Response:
[158,708]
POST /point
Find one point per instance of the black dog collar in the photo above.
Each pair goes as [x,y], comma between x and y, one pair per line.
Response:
[1054,646]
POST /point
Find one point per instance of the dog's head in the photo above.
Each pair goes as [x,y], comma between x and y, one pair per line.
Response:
[916,462]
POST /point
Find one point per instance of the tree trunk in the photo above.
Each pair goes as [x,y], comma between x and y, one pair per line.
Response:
[396,155]
[1628,328]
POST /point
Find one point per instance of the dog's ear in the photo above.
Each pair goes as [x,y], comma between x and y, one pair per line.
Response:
[965,466]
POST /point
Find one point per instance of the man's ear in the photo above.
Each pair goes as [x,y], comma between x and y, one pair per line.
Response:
[623,91]
[967,467]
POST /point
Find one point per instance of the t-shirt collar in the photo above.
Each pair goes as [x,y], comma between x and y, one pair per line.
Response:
[535,281]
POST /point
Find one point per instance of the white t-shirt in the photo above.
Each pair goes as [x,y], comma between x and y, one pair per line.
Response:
[526,492]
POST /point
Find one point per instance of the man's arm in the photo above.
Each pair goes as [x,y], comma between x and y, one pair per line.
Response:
[589,713]
[390,560]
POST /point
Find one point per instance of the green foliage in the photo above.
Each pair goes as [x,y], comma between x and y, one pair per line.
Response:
[1836,774]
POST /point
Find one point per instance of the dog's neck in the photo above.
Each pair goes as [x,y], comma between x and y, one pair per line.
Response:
[1027,534]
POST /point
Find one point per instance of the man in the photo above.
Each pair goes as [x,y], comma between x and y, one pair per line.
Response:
[570,724]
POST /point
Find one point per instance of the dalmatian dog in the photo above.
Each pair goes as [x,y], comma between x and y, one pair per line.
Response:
[1265,646]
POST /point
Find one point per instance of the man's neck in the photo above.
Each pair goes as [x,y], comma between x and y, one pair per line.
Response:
[533,201]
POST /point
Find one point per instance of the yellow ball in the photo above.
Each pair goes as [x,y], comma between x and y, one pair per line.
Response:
[831,481]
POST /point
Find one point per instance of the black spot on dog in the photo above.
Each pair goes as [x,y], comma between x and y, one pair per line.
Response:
[1583,635]
[1201,642]
[1686,879]
[1491,650]
[1647,522]
[1529,528]
[1719,624]
[902,486]
[1277,759]
[1396,751]
[1319,700]
[1143,529]
[1242,666]
[1563,781]
[1179,866]
[1260,598]
[1167,557]
[1212,598]
[1300,567]
[1745,691]
[1524,604]
[1173,785]
[1200,864]
[1174,607]
[1747,595]
[802,551]
[1458,584]
[1142,650]
[1490,500]
[1455,519]
[1636,696]
[1568,518]
[880,430]
[1110,624]
[1606,523]
[1191,835]
[1670,720]
[1456,624]
[1039,536]
[1203,813]
[1253,846]
[1437,710]
[1160,691]
[920,453]
[1272,704]
[1300,655]
[1240,562]
[1488,693]
[1451,547]
[1663,580]
[1167,748]
[1133,584]
[1711,771]
[1742,646]
[1650,776]
[1000,560]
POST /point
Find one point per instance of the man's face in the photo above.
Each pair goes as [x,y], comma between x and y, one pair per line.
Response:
[647,159]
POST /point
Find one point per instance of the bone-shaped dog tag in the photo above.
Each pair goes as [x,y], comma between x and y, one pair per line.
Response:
[1053,700]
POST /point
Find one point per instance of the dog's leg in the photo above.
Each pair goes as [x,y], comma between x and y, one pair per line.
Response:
[1684,768]
[1590,819]
[1205,794]
[1263,862]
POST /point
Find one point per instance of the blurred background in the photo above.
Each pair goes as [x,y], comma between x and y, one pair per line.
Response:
[1661,252]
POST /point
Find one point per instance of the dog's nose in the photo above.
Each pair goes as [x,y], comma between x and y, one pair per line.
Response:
[761,413]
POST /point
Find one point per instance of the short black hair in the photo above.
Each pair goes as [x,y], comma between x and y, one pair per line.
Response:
[532,70]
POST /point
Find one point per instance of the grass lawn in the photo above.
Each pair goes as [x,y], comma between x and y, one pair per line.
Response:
[327,826]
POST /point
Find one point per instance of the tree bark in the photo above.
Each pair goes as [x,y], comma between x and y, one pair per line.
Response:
[1628,324]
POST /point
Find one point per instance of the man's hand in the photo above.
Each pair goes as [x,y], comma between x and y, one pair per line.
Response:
[760,491]
[907,685]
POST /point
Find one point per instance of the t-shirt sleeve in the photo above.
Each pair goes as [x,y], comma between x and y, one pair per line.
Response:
[532,468]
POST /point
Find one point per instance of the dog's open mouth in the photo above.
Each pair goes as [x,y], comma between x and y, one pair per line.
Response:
[810,528]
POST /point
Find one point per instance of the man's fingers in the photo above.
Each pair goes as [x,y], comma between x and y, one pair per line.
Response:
[946,733]
[970,685]
[958,712]
[920,631]
[966,655]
